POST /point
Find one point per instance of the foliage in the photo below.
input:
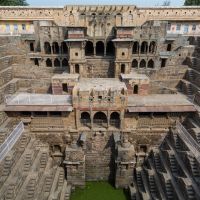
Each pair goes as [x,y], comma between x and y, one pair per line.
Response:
[166,3]
[13,3]
[192,3]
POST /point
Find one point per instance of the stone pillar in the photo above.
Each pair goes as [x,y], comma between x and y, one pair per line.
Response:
[91,117]
[75,165]
[108,119]
[125,163]
[105,49]
[94,50]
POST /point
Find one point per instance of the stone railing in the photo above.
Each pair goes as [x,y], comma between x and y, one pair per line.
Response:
[37,99]
[11,140]
[186,137]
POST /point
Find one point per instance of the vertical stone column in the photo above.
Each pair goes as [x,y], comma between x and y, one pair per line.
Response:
[75,165]
[108,118]
[94,49]
[125,163]
[105,48]
[91,117]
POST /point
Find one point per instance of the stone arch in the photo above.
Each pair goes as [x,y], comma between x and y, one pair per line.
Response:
[100,48]
[130,19]
[64,48]
[144,47]
[89,48]
[142,63]
[82,19]
[71,19]
[85,119]
[56,62]
[100,119]
[55,48]
[118,19]
[134,63]
[135,49]
[47,48]
[48,62]
[115,119]
[110,49]
[150,64]
[152,47]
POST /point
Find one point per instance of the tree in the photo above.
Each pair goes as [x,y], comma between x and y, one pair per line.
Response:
[192,3]
[13,3]
[166,3]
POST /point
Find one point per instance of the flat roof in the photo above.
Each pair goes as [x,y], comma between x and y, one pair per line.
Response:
[123,40]
[160,103]
[134,75]
[100,84]
[66,76]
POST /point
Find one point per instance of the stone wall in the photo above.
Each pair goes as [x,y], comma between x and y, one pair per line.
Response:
[81,15]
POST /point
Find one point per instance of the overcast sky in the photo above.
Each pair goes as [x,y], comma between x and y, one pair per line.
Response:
[106,2]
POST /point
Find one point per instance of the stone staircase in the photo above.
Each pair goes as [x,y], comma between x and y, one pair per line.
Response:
[28,172]
[103,68]
[171,171]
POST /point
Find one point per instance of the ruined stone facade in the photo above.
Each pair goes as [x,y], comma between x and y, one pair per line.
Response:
[104,93]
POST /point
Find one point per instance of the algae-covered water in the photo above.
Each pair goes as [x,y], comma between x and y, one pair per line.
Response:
[99,191]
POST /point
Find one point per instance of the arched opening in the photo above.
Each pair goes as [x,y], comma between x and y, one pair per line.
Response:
[130,19]
[65,64]
[85,119]
[122,68]
[55,47]
[99,48]
[100,119]
[56,63]
[31,46]
[143,64]
[135,89]
[144,47]
[150,64]
[135,48]
[110,49]
[77,68]
[89,48]
[47,48]
[118,19]
[36,61]
[115,119]
[71,19]
[48,63]
[135,64]
[152,47]
[169,47]
[64,48]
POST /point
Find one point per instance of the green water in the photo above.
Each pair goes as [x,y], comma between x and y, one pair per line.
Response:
[99,191]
